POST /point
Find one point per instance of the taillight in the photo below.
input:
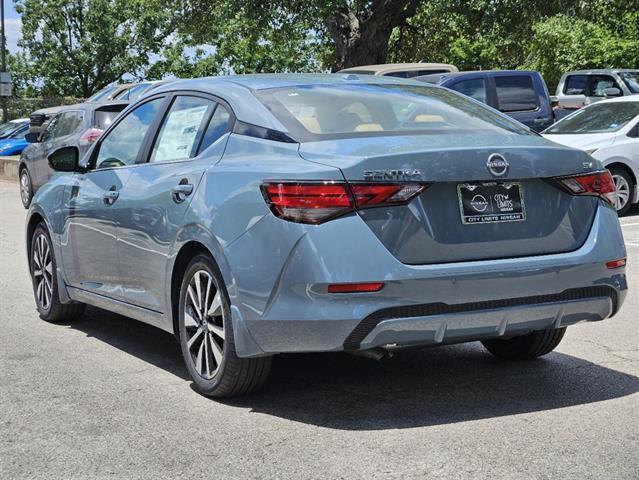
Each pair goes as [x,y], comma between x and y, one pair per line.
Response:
[599,183]
[317,202]
[90,136]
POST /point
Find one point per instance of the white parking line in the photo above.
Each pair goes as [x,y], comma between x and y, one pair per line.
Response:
[632,244]
[629,224]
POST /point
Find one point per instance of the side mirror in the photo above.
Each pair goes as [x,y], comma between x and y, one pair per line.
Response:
[612,92]
[64,159]
[32,137]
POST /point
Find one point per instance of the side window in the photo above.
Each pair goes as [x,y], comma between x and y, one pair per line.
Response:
[600,83]
[122,145]
[69,123]
[220,124]
[516,93]
[50,129]
[474,88]
[576,85]
[182,129]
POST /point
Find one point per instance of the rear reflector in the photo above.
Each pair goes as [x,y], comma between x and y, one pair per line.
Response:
[616,263]
[355,287]
[600,184]
[317,202]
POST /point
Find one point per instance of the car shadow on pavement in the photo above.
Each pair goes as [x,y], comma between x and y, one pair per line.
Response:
[430,386]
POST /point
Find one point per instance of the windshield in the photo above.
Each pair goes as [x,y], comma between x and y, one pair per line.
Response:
[318,112]
[631,79]
[102,94]
[597,118]
[8,128]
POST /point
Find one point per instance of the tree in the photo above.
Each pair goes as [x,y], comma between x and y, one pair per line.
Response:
[352,32]
[76,47]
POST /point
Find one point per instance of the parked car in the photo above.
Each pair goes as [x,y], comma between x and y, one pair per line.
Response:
[401,70]
[520,94]
[138,90]
[15,142]
[74,125]
[110,92]
[579,88]
[255,215]
[12,126]
[609,131]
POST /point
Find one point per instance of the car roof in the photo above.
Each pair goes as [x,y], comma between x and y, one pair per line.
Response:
[595,71]
[398,67]
[249,109]
[439,77]
[624,99]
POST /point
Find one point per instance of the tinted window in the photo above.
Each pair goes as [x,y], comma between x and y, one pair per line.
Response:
[474,88]
[317,112]
[69,123]
[515,94]
[122,144]
[103,118]
[597,118]
[576,84]
[182,129]
[600,83]
[218,126]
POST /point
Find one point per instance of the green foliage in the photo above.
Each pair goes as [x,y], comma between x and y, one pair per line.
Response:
[78,46]
[562,43]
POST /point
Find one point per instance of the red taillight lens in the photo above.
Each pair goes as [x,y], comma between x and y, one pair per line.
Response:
[316,202]
[597,183]
[616,263]
[307,202]
[355,287]
[90,136]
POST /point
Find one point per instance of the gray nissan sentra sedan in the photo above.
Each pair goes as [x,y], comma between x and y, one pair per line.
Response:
[255,215]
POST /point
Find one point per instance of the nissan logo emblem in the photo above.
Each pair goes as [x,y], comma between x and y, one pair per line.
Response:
[497,165]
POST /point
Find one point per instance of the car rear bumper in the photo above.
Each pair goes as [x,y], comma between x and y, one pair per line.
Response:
[419,305]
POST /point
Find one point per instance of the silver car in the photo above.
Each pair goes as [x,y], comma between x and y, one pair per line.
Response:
[73,125]
[582,87]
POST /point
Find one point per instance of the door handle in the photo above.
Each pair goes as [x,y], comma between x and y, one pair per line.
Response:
[111,196]
[181,191]
[541,120]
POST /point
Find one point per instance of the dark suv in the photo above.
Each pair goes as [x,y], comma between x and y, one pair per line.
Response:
[73,125]
[520,94]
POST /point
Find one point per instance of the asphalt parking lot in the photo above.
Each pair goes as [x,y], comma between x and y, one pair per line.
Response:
[109,397]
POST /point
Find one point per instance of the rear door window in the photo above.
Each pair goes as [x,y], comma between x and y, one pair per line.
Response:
[69,123]
[576,85]
[474,88]
[516,93]
[182,129]
[600,83]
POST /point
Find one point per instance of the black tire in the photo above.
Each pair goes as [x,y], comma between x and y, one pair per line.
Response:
[232,376]
[526,347]
[41,278]
[26,187]
[620,172]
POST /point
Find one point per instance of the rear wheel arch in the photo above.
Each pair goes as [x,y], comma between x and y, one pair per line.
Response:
[33,222]
[185,254]
[625,167]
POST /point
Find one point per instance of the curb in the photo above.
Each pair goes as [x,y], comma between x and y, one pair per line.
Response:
[9,168]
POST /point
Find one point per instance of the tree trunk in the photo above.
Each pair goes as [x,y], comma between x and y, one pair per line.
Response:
[361,38]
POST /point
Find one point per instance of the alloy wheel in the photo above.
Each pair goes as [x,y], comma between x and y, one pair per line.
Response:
[623,191]
[43,271]
[204,324]
[25,187]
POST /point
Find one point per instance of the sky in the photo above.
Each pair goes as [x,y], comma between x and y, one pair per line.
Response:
[12,24]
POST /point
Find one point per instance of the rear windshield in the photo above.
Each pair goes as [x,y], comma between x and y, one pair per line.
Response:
[318,112]
[104,118]
[102,94]
[597,118]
